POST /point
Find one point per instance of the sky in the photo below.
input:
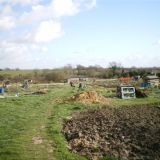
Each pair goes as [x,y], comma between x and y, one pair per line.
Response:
[37,34]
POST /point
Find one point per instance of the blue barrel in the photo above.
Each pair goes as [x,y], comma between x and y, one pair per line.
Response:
[1,90]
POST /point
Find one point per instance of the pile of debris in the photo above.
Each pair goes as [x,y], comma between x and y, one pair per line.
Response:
[90,97]
[124,133]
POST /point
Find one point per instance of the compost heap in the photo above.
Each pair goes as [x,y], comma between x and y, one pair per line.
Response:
[140,93]
[91,97]
[125,133]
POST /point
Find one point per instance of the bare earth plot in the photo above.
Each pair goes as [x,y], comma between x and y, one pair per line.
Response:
[125,133]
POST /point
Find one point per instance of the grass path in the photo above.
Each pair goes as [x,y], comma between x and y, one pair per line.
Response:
[24,126]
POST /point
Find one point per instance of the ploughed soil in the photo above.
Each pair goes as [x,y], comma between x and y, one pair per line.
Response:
[131,133]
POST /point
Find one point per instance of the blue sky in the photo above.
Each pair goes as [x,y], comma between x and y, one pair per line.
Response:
[54,33]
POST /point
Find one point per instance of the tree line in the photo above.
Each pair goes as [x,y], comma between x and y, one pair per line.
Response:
[114,70]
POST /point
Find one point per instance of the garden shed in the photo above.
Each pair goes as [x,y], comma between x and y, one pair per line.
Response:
[152,80]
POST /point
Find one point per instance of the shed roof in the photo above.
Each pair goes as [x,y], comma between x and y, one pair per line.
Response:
[152,77]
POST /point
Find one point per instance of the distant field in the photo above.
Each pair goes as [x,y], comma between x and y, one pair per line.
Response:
[18,72]
[31,124]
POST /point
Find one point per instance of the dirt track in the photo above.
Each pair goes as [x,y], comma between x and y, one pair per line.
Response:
[125,133]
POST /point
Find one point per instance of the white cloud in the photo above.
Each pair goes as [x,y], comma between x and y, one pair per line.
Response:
[40,12]
[56,9]
[47,31]
[12,54]
[7,23]
[44,12]
[6,10]
[64,8]
[7,19]
[15,55]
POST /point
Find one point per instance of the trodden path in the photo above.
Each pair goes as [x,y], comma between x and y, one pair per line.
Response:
[24,126]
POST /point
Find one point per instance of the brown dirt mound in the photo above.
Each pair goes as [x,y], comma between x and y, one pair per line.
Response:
[91,97]
[124,133]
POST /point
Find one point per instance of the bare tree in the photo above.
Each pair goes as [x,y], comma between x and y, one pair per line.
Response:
[114,66]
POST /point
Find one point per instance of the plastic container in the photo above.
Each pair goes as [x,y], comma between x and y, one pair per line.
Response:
[1,90]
